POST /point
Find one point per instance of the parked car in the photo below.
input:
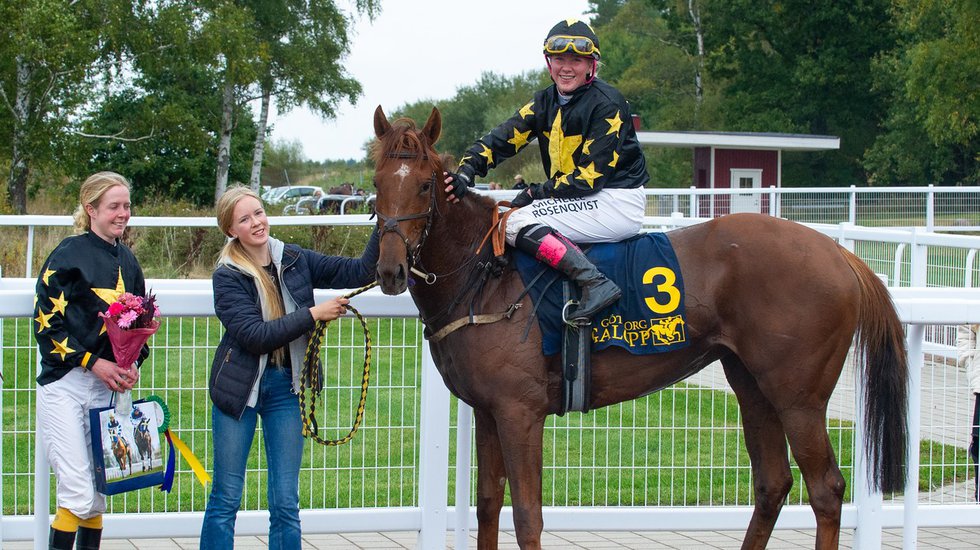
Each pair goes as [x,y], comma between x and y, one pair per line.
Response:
[293,193]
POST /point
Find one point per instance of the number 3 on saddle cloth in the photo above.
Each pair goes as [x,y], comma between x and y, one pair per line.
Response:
[649,318]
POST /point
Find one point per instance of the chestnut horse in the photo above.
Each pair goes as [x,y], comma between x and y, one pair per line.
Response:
[777,303]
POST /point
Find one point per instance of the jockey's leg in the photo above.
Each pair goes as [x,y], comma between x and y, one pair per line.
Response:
[552,248]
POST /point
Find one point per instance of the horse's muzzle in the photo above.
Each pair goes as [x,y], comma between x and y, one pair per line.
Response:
[393,278]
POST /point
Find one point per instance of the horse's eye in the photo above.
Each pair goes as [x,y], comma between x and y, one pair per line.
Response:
[374,182]
[426,186]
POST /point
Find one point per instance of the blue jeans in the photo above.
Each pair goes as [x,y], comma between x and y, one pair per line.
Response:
[281,430]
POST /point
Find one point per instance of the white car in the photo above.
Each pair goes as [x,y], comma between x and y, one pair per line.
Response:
[293,193]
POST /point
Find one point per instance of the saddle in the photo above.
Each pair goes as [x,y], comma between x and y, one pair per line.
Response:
[648,319]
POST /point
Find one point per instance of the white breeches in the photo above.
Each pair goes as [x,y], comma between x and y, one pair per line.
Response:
[607,216]
[63,426]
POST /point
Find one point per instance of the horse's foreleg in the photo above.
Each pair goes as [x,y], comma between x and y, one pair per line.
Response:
[811,447]
[491,479]
[521,433]
[766,445]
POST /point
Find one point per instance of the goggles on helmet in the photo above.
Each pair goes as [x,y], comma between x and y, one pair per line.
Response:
[581,45]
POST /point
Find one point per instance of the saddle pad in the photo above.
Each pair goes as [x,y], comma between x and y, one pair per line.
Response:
[649,318]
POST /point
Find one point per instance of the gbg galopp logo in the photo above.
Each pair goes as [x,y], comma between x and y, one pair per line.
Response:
[657,330]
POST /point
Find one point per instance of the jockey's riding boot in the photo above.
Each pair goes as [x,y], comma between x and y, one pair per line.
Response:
[552,248]
[60,540]
[88,538]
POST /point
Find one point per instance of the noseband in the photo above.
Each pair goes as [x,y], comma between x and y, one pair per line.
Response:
[390,223]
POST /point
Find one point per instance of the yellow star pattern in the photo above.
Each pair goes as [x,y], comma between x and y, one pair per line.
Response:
[615,159]
[61,348]
[488,153]
[47,273]
[561,148]
[519,140]
[561,180]
[526,110]
[614,124]
[464,159]
[589,174]
[59,304]
[109,295]
[42,320]
[585,147]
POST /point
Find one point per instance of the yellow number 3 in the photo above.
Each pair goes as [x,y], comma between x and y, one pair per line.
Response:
[667,286]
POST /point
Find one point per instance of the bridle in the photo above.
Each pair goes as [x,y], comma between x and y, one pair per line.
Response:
[390,223]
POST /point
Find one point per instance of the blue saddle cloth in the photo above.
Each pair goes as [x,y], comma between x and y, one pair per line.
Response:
[649,318]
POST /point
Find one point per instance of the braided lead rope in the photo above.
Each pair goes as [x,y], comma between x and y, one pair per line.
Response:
[313,372]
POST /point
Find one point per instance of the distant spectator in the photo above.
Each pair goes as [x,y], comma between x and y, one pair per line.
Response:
[494,186]
[519,182]
[969,356]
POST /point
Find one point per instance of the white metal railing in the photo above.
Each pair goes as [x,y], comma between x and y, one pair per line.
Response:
[432,517]
[949,209]
[921,307]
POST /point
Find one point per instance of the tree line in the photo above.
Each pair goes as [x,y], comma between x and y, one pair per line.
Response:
[160,90]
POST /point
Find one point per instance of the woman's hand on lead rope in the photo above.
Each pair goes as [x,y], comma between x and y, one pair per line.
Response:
[116,378]
[328,310]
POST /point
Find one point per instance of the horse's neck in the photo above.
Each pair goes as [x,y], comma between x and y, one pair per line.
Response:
[449,250]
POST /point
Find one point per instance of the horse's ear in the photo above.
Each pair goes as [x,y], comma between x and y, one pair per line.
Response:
[381,124]
[433,126]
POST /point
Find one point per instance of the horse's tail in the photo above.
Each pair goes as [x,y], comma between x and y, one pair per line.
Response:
[882,358]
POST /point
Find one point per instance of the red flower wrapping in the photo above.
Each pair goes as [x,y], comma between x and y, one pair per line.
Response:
[127,343]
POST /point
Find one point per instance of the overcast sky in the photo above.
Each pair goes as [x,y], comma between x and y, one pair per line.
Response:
[439,46]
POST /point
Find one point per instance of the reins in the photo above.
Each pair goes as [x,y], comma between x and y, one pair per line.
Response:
[313,372]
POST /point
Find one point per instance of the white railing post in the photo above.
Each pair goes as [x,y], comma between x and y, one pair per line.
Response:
[916,334]
[464,419]
[930,208]
[919,258]
[867,534]
[773,210]
[852,206]
[693,207]
[42,477]
[434,456]
[28,263]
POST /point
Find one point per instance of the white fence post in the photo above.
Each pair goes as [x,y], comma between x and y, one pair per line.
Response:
[434,456]
[42,477]
[930,208]
[867,534]
[916,334]
[852,206]
[464,418]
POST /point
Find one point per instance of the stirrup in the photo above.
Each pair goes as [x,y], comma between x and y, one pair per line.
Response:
[576,321]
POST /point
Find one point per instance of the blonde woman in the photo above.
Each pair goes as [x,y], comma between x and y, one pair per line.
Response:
[81,277]
[263,296]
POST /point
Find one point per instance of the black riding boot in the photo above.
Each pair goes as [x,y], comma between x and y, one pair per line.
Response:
[89,539]
[552,248]
[60,540]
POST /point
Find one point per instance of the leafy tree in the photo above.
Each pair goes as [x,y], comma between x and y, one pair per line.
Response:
[931,133]
[802,66]
[303,43]
[48,50]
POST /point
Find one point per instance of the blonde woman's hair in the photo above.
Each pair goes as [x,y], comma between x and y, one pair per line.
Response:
[234,252]
[91,193]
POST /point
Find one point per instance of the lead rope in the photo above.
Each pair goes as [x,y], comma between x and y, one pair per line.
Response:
[313,372]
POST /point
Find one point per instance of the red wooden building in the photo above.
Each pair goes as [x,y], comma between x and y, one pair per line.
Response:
[737,160]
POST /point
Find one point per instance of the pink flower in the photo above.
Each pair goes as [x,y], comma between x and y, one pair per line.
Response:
[115,308]
[126,318]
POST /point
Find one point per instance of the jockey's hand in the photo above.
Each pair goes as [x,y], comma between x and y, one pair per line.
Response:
[456,184]
[526,196]
[114,377]
[523,198]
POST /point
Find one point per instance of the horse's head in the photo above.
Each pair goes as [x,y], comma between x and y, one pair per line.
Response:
[408,178]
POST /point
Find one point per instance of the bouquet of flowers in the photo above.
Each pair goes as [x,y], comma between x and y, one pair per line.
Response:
[129,322]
